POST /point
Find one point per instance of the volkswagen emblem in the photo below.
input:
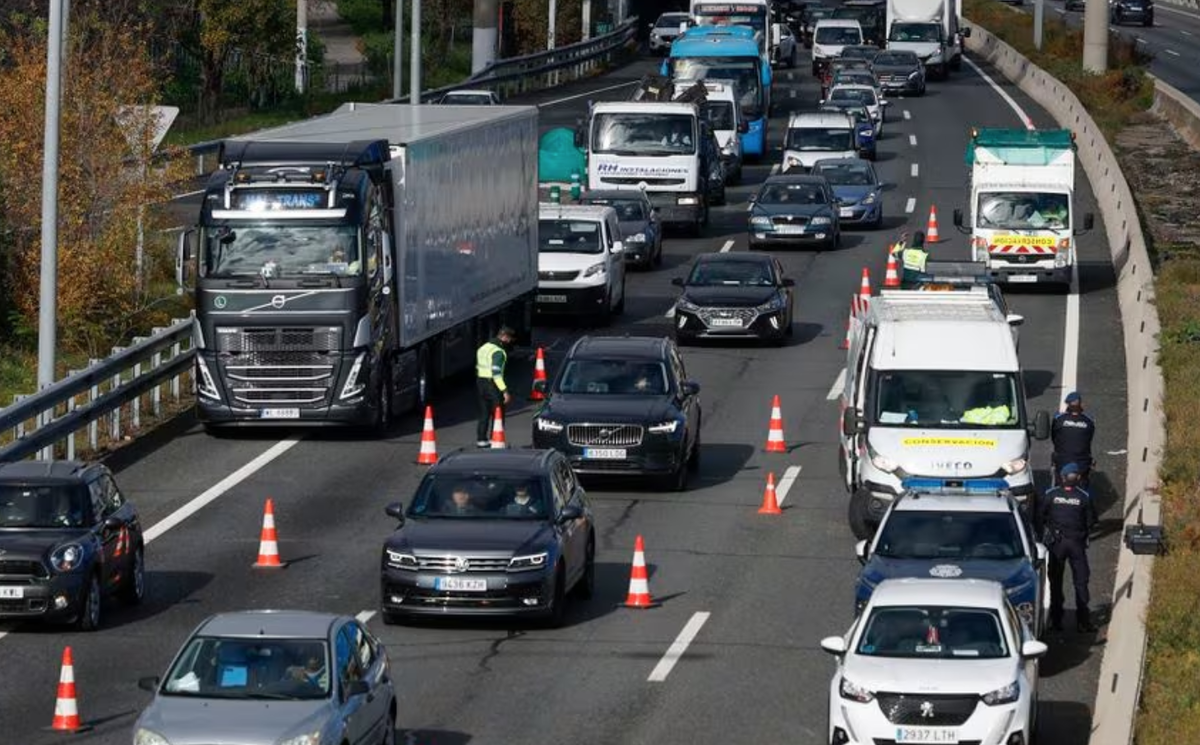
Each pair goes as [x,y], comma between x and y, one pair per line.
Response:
[219,302]
[927,710]
[461,564]
[278,301]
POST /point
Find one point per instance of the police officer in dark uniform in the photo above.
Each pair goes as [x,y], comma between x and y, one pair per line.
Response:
[1066,516]
[1072,433]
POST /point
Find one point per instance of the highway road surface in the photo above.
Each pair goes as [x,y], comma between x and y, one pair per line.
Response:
[732,654]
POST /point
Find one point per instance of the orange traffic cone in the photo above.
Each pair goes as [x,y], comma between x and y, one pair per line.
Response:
[66,707]
[931,229]
[268,545]
[864,289]
[498,442]
[770,505]
[892,278]
[428,455]
[846,341]
[775,443]
[539,373]
[639,579]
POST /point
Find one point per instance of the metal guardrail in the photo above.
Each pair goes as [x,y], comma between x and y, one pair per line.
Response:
[105,398]
[511,76]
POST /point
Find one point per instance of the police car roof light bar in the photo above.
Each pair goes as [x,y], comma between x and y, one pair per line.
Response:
[998,487]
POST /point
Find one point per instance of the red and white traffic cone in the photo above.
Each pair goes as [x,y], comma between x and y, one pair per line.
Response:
[428,454]
[931,229]
[268,544]
[539,373]
[498,442]
[892,278]
[864,289]
[639,579]
[66,705]
[770,505]
[775,443]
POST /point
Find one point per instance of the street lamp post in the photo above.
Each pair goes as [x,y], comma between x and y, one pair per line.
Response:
[48,304]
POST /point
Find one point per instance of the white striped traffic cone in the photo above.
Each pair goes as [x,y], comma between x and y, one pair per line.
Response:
[639,579]
[498,442]
[66,706]
[268,545]
[428,455]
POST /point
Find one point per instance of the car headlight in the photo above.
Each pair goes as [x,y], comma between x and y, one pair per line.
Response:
[148,737]
[761,222]
[791,161]
[853,691]
[526,563]
[686,200]
[665,428]
[1005,695]
[914,75]
[309,738]
[594,269]
[353,386]
[775,303]
[684,304]
[67,558]
[821,220]
[548,425]
[1015,466]
[871,198]
[636,238]
[401,560]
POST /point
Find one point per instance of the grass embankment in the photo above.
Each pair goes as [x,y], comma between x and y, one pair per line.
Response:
[1170,705]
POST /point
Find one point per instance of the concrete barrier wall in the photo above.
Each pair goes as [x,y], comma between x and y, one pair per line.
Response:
[1115,710]
[1182,112]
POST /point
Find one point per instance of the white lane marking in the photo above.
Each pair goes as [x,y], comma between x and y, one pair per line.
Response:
[912,140]
[185,195]
[907,114]
[557,101]
[670,312]
[1002,93]
[1179,12]
[774,169]
[785,484]
[728,245]
[227,483]
[1172,52]
[1071,334]
[791,76]
[1140,40]
[910,205]
[364,616]
[749,207]
[678,647]
[915,170]
[791,93]
[1185,32]
[838,386]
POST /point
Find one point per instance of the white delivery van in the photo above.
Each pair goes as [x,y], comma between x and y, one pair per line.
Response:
[581,262]
[818,135]
[723,112]
[933,390]
[830,37]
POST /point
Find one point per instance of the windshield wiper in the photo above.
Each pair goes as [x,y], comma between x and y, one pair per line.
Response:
[270,696]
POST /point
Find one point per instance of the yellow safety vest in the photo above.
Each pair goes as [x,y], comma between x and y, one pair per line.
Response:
[486,365]
[986,415]
[914,259]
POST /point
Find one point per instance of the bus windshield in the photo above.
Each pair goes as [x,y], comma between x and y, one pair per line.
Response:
[744,71]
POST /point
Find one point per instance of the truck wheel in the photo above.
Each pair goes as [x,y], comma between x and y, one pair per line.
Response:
[424,380]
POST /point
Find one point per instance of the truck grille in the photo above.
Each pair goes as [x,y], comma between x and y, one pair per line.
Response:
[13,568]
[942,710]
[616,435]
[448,564]
[557,276]
[282,339]
[294,365]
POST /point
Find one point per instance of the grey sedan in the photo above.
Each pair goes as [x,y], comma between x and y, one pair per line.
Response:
[899,72]
[641,231]
[272,677]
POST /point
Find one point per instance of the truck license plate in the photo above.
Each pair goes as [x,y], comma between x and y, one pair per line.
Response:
[460,584]
[12,593]
[552,298]
[280,414]
[604,453]
[926,734]
[1022,278]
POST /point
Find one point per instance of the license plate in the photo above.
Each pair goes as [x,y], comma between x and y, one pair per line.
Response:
[460,584]
[1022,278]
[604,453]
[552,298]
[846,212]
[12,593]
[926,734]
[726,322]
[280,414]
[789,229]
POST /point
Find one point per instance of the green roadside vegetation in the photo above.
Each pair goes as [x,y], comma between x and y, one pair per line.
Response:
[1164,174]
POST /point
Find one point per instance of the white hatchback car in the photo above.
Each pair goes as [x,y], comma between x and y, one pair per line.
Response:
[866,95]
[935,661]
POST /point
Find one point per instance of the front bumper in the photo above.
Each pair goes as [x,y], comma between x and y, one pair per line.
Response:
[909,85]
[557,300]
[883,488]
[656,455]
[639,254]
[660,44]
[858,214]
[865,724]
[1007,273]
[752,324]
[359,413]
[57,598]
[807,238]
[405,592]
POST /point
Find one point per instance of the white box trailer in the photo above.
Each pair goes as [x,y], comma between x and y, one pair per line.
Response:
[930,29]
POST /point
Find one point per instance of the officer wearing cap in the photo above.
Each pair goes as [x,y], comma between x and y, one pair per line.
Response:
[1071,433]
[1065,517]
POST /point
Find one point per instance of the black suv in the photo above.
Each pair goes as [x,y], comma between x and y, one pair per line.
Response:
[67,539]
[623,405]
[491,532]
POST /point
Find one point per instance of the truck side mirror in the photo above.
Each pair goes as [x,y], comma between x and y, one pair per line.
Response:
[958,218]
[852,423]
[1089,221]
[1041,425]
[183,259]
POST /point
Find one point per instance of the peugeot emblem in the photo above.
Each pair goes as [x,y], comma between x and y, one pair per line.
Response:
[219,302]
[461,564]
[926,710]
[278,301]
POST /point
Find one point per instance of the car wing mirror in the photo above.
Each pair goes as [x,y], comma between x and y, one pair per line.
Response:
[862,550]
[834,645]
[1042,554]
[539,386]
[677,281]
[570,513]
[743,127]
[689,387]
[787,282]
[1014,319]
[965,31]
[1031,650]
[1089,222]
[396,510]
[113,523]
[354,688]
[149,684]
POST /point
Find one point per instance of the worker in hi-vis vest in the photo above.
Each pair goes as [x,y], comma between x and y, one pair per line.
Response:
[912,258]
[491,390]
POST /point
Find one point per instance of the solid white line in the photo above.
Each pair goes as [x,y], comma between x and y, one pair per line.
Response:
[1070,363]
[785,484]
[838,386]
[1172,51]
[1178,11]
[910,205]
[585,94]
[678,647]
[364,616]
[912,140]
[670,312]
[227,483]
[915,170]
[728,245]
[1003,94]
[907,114]
[1186,32]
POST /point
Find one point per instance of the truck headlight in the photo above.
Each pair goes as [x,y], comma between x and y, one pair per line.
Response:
[1015,466]
[67,558]
[1005,695]
[526,563]
[1060,259]
[548,425]
[791,161]
[936,57]
[594,269]
[882,462]
[207,387]
[353,386]
[401,560]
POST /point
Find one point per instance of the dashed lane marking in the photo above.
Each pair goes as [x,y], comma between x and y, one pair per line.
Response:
[678,647]
[915,170]
[785,483]
[907,114]
[1172,52]
[364,616]
[912,140]
[910,205]
[728,245]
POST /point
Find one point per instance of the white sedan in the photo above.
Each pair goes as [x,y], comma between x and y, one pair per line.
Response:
[935,661]
[866,95]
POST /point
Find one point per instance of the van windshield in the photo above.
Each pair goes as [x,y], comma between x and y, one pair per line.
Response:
[958,399]
[833,139]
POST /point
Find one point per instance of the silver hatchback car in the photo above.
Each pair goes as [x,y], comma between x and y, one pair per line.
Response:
[271,677]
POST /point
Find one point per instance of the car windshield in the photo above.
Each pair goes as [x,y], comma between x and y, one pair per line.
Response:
[60,506]
[865,96]
[1024,211]
[731,274]
[719,115]
[912,534]
[480,497]
[798,193]
[628,210]
[933,632]
[671,21]
[278,250]
[820,138]
[846,174]
[896,59]
[922,32]
[643,134]
[838,35]
[569,236]
[966,399]
[614,377]
[251,668]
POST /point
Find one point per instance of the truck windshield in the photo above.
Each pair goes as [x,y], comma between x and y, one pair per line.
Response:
[962,399]
[275,250]
[629,133]
[569,236]
[820,138]
[1023,210]
[745,72]
[719,115]
[920,32]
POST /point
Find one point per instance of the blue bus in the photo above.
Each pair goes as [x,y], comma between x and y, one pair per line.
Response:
[754,14]
[728,52]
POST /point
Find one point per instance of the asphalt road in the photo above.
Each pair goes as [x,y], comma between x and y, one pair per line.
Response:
[772,586]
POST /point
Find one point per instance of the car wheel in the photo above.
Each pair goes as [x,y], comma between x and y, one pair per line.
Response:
[658,256]
[693,461]
[621,303]
[383,417]
[89,606]
[860,524]
[134,589]
[557,611]
[1149,21]
[677,480]
[389,731]
[586,587]
[878,223]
